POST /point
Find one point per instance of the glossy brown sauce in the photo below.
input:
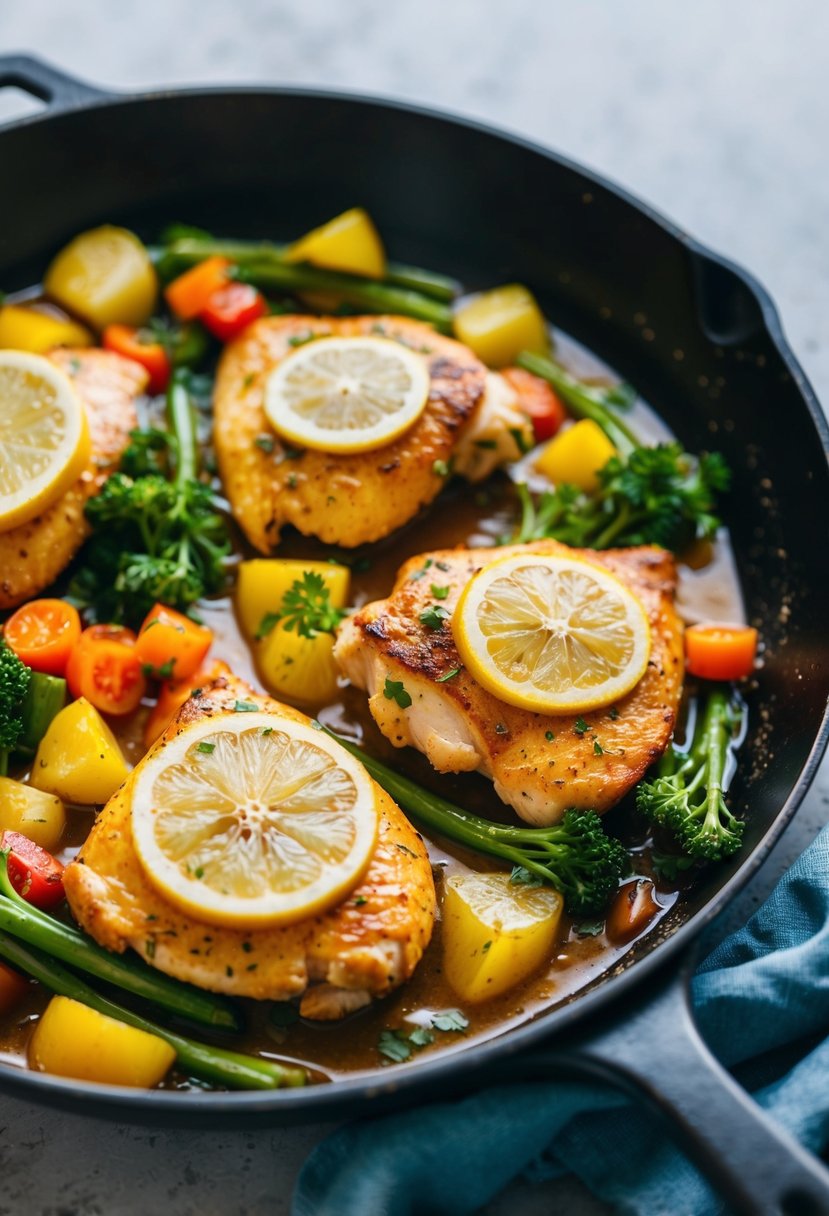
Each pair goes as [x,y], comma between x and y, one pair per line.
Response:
[463,515]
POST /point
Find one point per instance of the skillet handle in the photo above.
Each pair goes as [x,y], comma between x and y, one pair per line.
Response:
[654,1050]
[39,79]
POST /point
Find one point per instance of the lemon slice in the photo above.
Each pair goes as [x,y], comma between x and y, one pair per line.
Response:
[252,820]
[551,634]
[44,436]
[347,394]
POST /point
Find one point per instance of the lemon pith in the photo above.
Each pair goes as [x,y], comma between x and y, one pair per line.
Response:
[250,819]
[44,436]
[347,394]
[552,634]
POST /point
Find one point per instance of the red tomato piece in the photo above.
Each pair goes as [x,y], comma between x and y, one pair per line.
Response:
[231,309]
[43,633]
[170,645]
[538,400]
[171,697]
[36,875]
[190,292]
[720,652]
[105,668]
[130,342]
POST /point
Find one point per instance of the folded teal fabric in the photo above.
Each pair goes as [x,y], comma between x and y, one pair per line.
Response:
[762,1003]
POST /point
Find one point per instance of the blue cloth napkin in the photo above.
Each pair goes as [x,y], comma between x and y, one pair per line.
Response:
[762,990]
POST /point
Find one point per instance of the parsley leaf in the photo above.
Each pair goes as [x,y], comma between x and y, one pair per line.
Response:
[394,1046]
[448,675]
[434,616]
[580,726]
[244,707]
[522,877]
[450,1019]
[307,608]
[394,690]
[440,593]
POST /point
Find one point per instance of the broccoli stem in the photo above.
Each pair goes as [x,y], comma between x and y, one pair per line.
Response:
[189,251]
[584,400]
[368,294]
[44,698]
[584,864]
[181,419]
[29,924]
[230,1069]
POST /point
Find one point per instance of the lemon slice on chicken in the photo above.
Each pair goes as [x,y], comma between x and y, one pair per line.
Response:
[552,634]
[251,820]
[44,436]
[347,394]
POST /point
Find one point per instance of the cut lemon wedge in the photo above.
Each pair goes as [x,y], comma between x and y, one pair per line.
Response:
[347,394]
[551,634]
[44,436]
[251,820]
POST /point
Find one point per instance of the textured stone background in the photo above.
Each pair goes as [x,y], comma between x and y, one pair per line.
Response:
[716,114]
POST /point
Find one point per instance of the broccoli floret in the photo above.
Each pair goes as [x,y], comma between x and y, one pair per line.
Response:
[576,856]
[687,797]
[14,684]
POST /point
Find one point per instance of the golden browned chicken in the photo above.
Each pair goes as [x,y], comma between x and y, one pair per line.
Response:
[33,554]
[463,728]
[355,498]
[339,959]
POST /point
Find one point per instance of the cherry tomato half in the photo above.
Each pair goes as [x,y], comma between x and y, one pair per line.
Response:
[537,400]
[36,875]
[43,633]
[128,341]
[720,652]
[105,668]
[231,309]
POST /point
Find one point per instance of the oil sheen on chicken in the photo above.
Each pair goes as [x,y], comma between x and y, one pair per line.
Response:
[353,499]
[540,764]
[336,961]
[33,554]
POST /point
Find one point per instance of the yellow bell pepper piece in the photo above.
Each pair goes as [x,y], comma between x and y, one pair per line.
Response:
[575,455]
[105,276]
[72,1040]
[24,328]
[39,816]
[349,242]
[261,585]
[78,759]
[497,325]
[496,933]
[298,668]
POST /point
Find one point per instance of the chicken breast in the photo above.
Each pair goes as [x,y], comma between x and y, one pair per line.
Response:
[33,554]
[339,959]
[540,764]
[343,499]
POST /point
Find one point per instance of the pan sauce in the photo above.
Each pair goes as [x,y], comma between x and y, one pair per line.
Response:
[462,515]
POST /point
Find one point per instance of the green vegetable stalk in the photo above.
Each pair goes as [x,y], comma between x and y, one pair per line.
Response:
[22,920]
[45,697]
[657,495]
[575,856]
[230,1069]
[687,794]
[179,252]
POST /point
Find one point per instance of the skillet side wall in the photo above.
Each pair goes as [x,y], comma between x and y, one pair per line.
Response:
[684,327]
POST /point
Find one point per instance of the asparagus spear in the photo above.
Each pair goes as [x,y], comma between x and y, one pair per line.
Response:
[175,256]
[30,924]
[231,1069]
[585,400]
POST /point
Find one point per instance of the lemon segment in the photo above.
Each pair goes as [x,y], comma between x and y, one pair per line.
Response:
[346,395]
[496,933]
[551,634]
[44,436]
[251,820]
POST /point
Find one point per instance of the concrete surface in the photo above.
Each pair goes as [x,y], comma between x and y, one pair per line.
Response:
[717,114]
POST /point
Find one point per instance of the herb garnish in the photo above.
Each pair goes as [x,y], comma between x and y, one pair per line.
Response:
[394,690]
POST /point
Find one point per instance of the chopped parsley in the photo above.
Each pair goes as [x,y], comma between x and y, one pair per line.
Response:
[522,877]
[306,607]
[598,750]
[440,593]
[433,616]
[266,443]
[206,748]
[589,928]
[453,671]
[549,736]
[164,672]
[580,726]
[441,468]
[394,690]
[613,714]
[244,707]
[451,1019]
[395,1046]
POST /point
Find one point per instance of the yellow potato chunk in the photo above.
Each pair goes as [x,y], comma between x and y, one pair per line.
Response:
[496,933]
[262,583]
[32,330]
[298,668]
[72,1040]
[104,276]
[497,325]
[349,242]
[78,759]
[575,455]
[37,815]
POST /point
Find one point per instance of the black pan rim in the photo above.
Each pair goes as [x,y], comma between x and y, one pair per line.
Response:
[326,1101]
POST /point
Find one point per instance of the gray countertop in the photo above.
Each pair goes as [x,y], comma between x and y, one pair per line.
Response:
[716,114]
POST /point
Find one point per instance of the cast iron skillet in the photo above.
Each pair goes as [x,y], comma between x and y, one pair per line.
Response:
[696,335]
